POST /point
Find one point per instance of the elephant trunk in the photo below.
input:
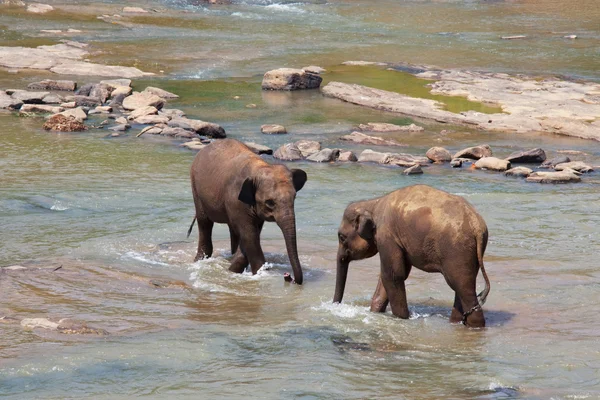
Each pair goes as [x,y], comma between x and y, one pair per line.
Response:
[342,274]
[287,224]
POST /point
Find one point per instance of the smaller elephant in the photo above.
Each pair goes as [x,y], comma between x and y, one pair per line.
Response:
[423,227]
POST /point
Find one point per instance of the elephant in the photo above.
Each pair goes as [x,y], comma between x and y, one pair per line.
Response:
[423,227]
[234,186]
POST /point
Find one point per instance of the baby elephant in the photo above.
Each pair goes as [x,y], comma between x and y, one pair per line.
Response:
[417,226]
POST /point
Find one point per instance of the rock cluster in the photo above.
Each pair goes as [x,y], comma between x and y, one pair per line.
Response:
[311,150]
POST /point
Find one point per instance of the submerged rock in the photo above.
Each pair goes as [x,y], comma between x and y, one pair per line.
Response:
[74,327]
[44,323]
[438,155]
[362,138]
[475,152]
[290,79]
[533,156]
[313,69]
[272,129]
[63,123]
[492,163]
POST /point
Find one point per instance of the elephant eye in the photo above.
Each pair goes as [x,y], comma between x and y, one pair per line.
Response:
[270,203]
[342,238]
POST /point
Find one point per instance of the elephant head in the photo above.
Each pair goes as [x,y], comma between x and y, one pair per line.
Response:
[356,242]
[270,193]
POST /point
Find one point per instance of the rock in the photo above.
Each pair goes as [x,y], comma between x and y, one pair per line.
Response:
[290,79]
[406,160]
[179,132]
[456,163]
[251,105]
[151,119]
[49,84]
[29,97]
[153,130]
[414,170]
[555,161]
[521,172]
[143,111]
[14,268]
[104,109]
[84,101]
[570,36]
[574,165]
[78,113]
[62,123]
[383,127]
[271,129]
[202,128]
[172,113]
[121,120]
[194,145]
[53,99]
[84,90]
[117,100]
[308,147]
[347,156]
[513,37]
[143,99]
[8,102]
[134,10]
[38,8]
[475,153]
[91,69]
[325,155]
[101,91]
[313,69]
[120,128]
[259,148]
[438,155]
[566,176]
[492,163]
[160,93]
[121,91]
[73,327]
[361,138]
[369,155]
[533,156]
[70,104]
[40,108]
[288,152]
[44,323]
[117,83]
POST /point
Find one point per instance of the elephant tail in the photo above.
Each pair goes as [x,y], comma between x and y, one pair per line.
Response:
[481,244]
[191,227]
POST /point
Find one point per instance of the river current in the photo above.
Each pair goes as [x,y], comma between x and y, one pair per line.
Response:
[113,213]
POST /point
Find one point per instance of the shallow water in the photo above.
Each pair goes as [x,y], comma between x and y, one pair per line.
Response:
[114,213]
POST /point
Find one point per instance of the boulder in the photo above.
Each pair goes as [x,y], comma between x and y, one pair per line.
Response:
[414,170]
[555,161]
[384,127]
[202,128]
[533,156]
[325,155]
[40,108]
[117,101]
[62,123]
[8,102]
[578,166]
[49,84]
[101,91]
[121,91]
[84,101]
[78,113]
[259,148]
[521,172]
[85,89]
[288,152]
[347,156]
[438,155]
[151,119]
[290,79]
[566,176]
[492,163]
[308,147]
[362,138]
[143,99]
[29,97]
[140,112]
[38,8]
[272,129]
[369,155]
[160,93]
[172,112]
[475,153]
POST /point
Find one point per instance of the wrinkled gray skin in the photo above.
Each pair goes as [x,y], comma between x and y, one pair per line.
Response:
[418,226]
[232,185]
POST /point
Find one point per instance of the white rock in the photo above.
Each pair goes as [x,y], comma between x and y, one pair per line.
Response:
[39,8]
[32,323]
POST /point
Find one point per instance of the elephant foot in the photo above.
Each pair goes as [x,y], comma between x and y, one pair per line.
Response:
[456,316]
[288,278]
[474,320]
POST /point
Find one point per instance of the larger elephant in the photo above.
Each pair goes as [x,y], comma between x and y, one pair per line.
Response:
[423,227]
[234,186]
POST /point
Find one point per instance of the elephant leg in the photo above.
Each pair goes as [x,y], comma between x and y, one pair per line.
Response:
[462,281]
[205,246]
[380,300]
[235,240]
[394,271]
[250,245]
[239,262]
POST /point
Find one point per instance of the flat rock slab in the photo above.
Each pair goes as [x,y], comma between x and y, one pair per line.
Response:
[529,104]
[161,93]
[29,97]
[146,110]
[533,156]
[362,138]
[39,8]
[202,128]
[143,99]
[290,79]
[49,84]
[401,160]
[78,113]
[492,163]
[8,102]
[566,176]
[385,127]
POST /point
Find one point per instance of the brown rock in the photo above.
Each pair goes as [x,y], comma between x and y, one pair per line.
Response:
[288,152]
[40,108]
[63,123]
[308,147]
[438,155]
[272,129]
[492,163]
[49,84]
[347,156]
[290,79]
[475,153]
[143,99]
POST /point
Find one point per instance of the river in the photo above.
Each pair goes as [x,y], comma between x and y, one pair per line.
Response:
[113,212]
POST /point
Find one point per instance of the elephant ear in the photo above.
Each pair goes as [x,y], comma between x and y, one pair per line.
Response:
[299,178]
[247,192]
[366,226]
